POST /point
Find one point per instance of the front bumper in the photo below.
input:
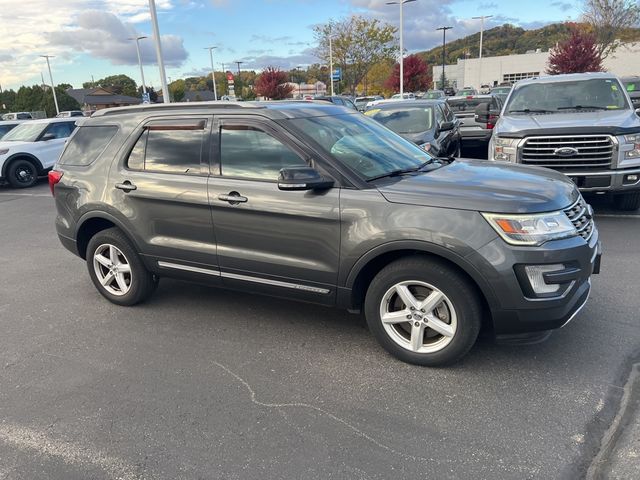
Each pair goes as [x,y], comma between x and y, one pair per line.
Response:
[516,311]
[605,181]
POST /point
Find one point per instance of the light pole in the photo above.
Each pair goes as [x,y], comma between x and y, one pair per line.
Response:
[156,37]
[53,87]
[239,63]
[444,57]
[213,73]
[137,39]
[401,3]
[331,61]
[482,18]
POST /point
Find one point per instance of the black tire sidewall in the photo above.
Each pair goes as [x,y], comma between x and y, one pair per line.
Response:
[462,295]
[11,173]
[142,281]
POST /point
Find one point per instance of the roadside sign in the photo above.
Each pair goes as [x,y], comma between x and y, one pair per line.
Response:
[146,98]
[336,75]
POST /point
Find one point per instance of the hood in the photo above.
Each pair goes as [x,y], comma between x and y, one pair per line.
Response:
[14,145]
[613,122]
[484,186]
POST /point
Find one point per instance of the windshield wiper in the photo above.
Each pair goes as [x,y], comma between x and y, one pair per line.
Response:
[531,110]
[584,107]
[400,171]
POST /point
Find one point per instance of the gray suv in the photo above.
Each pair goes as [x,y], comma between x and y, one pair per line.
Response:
[316,202]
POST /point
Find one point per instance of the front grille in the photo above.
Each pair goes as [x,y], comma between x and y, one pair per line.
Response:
[580,215]
[591,152]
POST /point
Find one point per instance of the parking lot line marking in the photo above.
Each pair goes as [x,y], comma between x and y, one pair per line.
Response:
[333,417]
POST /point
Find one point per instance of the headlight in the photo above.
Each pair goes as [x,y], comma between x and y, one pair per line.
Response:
[504,149]
[4,151]
[635,141]
[531,229]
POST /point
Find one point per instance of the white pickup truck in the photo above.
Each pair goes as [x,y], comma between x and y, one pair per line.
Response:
[32,148]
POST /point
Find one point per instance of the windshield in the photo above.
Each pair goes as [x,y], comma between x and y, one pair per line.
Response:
[362,144]
[632,86]
[467,92]
[404,120]
[25,132]
[593,94]
[432,95]
[464,104]
[501,90]
[364,100]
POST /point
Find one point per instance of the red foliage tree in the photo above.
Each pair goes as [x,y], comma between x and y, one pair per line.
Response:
[416,75]
[577,54]
[272,83]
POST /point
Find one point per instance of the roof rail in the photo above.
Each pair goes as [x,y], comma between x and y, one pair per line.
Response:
[174,106]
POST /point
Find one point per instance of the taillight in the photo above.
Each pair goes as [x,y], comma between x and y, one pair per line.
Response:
[54,178]
[492,122]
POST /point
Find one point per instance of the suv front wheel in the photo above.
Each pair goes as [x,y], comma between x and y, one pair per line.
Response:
[116,269]
[422,311]
[22,173]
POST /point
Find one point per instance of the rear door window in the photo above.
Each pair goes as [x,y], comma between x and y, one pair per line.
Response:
[61,129]
[87,145]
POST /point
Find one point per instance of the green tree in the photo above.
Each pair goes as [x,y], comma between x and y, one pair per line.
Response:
[358,44]
[177,88]
[608,18]
[65,102]
[120,84]
[7,99]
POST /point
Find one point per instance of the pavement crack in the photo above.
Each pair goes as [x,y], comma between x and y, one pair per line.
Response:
[323,412]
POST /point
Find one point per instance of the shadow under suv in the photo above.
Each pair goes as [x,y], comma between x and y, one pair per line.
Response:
[318,203]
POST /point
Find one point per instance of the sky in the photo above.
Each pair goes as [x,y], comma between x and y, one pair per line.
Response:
[90,37]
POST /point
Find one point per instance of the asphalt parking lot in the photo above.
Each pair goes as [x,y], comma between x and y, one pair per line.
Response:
[201,383]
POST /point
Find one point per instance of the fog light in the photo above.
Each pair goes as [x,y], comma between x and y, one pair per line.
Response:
[538,285]
[630,179]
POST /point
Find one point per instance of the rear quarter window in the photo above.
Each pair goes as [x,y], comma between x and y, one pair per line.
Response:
[87,145]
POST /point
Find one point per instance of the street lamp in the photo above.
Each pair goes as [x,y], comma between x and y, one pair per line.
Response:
[298,68]
[481,18]
[137,39]
[401,3]
[444,58]
[331,61]
[53,87]
[156,38]
[213,73]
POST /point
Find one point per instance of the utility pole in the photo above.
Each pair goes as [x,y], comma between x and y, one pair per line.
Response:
[401,3]
[213,72]
[444,56]
[156,37]
[239,63]
[137,39]
[53,88]
[481,18]
[331,62]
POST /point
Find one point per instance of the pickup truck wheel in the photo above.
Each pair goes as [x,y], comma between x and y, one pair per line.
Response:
[627,201]
[423,311]
[22,173]
[116,269]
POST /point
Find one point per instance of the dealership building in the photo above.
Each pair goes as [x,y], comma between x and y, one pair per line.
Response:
[474,72]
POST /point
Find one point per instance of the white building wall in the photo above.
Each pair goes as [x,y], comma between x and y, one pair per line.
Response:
[494,70]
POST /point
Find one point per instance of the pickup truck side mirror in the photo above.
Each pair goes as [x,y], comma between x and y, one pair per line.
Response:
[302,178]
[47,137]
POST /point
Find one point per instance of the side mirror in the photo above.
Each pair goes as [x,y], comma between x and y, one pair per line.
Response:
[638,111]
[482,113]
[445,126]
[47,137]
[302,178]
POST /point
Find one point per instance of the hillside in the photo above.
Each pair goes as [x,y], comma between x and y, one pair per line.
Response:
[507,40]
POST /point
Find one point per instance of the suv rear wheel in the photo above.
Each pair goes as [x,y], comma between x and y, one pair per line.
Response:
[423,311]
[22,173]
[627,201]
[116,269]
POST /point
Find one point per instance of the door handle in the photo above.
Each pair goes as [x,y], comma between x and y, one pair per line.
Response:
[233,198]
[127,186]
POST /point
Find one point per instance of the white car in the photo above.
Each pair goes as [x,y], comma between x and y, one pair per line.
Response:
[32,148]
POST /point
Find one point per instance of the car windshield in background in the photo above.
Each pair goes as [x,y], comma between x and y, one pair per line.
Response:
[464,104]
[466,92]
[404,120]
[433,95]
[362,144]
[593,94]
[501,90]
[26,132]
[632,86]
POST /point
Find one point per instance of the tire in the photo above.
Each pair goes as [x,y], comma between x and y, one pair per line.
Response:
[627,201]
[119,274]
[458,312]
[22,173]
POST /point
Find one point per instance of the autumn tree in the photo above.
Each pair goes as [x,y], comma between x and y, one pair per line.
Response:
[416,75]
[272,84]
[608,18]
[577,54]
[358,43]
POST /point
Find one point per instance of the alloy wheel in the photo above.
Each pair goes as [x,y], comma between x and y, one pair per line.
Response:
[112,269]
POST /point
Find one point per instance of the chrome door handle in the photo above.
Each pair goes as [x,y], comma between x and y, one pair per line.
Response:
[233,198]
[127,186]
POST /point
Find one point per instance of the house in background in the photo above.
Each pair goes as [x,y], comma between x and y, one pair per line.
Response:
[99,98]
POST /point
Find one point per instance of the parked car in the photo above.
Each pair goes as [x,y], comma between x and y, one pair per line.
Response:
[361,102]
[449,91]
[31,149]
[475,132]
[315,203]
[8,125]
[485,89]
[337,100]
[430,124]
[70,113]
[404,96]
[434,95]
[17,116]
[632,85]
[583,125]
[466,91]
[501,92]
